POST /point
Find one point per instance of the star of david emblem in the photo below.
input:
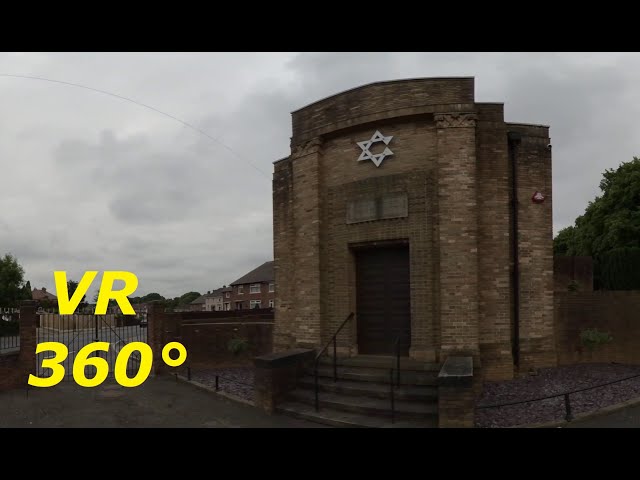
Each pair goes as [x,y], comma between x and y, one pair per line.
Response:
[367,144]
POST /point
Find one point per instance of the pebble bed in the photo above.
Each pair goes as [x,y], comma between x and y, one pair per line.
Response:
[236,381]
[550,381]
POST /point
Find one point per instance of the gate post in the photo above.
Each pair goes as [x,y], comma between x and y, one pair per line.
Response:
[28,340]
[155,333]
[456,397]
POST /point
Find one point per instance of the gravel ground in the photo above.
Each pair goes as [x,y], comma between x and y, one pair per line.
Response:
[237,381]
[551,381]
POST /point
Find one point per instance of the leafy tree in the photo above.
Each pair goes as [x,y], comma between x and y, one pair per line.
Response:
[11,281]
[188,298]
[72,286]
[562,243]
[171,303]
[611,220]
[151,297]
[27,291]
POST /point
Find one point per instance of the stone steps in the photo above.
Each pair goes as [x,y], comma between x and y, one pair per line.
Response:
[366,405]
[377,375]
[338,418]
[361,396]
[380,362]
[370,389]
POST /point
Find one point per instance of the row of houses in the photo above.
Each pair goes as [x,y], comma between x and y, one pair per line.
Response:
[256,289]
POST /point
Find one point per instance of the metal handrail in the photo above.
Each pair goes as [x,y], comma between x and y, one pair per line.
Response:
[395,348]
[335,365]
[567,403]
[392,395]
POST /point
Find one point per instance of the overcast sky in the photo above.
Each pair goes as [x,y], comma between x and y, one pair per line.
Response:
[94,182]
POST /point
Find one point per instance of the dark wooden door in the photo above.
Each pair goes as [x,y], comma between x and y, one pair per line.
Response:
[383,300]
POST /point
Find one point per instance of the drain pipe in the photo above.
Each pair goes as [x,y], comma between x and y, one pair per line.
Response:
[514,139]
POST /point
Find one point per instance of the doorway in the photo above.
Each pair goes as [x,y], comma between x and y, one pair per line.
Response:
[383,299]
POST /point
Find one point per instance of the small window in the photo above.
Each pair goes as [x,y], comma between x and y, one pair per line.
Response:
[255,303]
[240,289]
[272,287]
[254,288]
[271,303]
[227,295]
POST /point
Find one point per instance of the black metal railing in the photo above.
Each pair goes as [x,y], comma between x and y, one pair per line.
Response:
[392,397]
[396,358]
[9,329]
[396,350]
[335,358]
[567,400]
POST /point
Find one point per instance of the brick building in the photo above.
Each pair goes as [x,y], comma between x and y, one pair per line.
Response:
[396,203]
[41,295]
[256,289]
[218,299]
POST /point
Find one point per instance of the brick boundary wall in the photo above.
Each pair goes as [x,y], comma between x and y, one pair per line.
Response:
[615,312]
[209,341]
[206,336]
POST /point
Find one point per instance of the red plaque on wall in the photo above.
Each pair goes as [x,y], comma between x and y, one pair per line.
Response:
[537,198]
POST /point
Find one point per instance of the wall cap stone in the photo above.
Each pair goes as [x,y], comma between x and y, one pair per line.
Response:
[281,359]
[456,369]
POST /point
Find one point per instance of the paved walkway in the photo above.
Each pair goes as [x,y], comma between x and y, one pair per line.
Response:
[626,418]
[159,402]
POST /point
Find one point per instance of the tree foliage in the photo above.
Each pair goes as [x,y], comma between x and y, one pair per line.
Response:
[72,286]
[188,298]
[12,285]
[150,297]
[611,221]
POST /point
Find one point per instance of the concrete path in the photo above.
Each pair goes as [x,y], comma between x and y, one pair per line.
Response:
[159,402]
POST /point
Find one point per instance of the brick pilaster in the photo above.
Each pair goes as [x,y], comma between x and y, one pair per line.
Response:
[458,245]
[306,234]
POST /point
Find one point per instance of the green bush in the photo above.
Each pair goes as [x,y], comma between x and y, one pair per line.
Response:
[238,345]
[592,338]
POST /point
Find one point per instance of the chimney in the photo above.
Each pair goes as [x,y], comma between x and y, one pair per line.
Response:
[44,289]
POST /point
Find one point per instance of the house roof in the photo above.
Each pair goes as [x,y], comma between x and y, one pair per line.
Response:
[262,274]
[42,294]
[198,300]
[217,292]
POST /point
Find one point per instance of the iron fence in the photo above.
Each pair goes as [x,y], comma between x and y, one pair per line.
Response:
[568,415]
[79,330]
[9,329]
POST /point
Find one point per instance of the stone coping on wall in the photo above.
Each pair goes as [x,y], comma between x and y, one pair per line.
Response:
[282,359]
[456,369]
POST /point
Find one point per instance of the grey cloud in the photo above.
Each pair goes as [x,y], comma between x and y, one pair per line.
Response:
[94,182]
